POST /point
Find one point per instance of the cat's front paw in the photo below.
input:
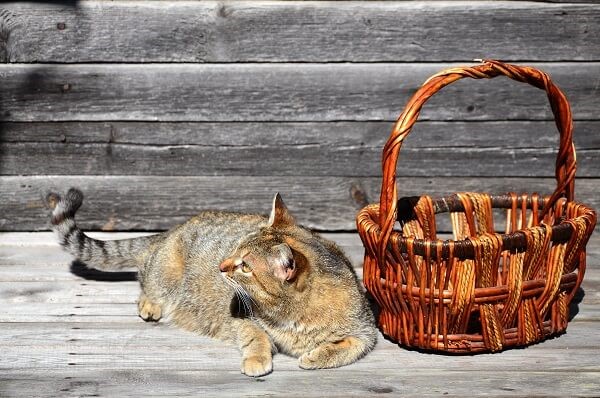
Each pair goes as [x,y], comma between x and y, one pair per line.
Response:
[256,366]
[147,310]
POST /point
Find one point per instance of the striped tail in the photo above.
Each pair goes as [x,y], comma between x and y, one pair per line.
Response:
[110,255]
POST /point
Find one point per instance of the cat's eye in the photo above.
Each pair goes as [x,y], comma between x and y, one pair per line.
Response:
[241,264]
[245,267]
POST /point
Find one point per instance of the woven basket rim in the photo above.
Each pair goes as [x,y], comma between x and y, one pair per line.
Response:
[463,248]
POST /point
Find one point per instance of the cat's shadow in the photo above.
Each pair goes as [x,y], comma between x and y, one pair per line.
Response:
[81,270]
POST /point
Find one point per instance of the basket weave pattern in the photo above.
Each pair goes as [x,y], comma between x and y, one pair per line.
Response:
[482,290]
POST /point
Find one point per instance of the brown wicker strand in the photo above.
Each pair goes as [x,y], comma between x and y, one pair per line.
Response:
[482,208]
[463,293]
[460,226]
[514,281]
[488,250]
[553,275]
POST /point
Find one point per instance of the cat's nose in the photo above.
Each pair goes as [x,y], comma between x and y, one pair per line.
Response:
[225,265]
[228,264]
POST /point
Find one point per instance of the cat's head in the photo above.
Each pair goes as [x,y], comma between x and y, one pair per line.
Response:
[272,263]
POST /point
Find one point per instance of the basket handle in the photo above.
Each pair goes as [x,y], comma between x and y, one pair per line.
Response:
[565,161]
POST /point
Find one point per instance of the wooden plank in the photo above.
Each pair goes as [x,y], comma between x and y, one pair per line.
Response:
[93,312]
[47,240]
[120,203]
[435,382]
[274,92]
[151,346]
[65,293]
[96,31]
[513,134]
[568,1]
[473,148]
[347,383]
[314,160]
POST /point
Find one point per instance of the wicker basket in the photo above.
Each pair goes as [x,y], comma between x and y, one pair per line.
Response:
[482,291]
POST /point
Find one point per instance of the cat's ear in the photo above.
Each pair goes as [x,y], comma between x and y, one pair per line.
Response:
[280,215]
[284,266]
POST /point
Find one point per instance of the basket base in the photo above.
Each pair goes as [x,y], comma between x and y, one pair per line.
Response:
[460,344]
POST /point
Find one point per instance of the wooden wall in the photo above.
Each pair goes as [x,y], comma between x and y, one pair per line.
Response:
[159,109]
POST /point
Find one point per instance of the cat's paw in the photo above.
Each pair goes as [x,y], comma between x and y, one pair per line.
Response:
[333,354]
[309,360]
[256,366]
[148,311]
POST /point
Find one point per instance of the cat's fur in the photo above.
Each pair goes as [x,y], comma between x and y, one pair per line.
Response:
[266,285]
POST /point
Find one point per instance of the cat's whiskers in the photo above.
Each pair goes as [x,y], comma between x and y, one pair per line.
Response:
[241,289]
[238,296]
[242,294]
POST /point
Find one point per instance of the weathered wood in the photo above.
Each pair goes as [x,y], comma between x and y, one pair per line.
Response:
[290,160]
[119,203]
[65,294]
[81,338]
[507,134]
[435,148]
[301,31]
[152,144]
[432,382]
[146,346]
[518,148]
[48,239]
[274,92]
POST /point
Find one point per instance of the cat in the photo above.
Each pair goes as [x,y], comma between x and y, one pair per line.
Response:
[265,284]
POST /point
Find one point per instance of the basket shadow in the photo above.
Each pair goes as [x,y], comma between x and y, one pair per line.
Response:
[81,270]
[574,305]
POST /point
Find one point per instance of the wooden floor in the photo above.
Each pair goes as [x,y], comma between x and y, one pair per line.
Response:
[68,332]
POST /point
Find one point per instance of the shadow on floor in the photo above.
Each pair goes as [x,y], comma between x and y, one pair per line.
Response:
[83,271]
[574,306]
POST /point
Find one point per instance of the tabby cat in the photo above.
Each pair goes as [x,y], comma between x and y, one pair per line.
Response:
[265,284]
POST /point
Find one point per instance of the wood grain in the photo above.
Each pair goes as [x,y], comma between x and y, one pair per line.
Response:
[482,149]
[118,203]
[85,345]
[515,134]
[439,379]
[82,338]
[96,31]
[158,110]
[294,160]
[274,92]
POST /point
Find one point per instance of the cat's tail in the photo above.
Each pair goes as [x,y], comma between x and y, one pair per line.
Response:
[109,255]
